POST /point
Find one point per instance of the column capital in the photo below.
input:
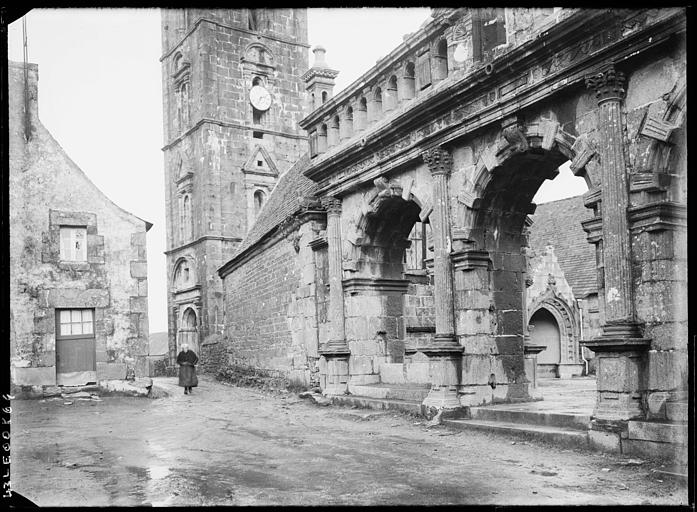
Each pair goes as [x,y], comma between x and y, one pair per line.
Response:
[331,204]
[607,83]
[438,160]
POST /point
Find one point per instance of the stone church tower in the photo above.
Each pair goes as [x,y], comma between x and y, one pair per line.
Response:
[233,97]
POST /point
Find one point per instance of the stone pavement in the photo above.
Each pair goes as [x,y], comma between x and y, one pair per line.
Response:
[225,445]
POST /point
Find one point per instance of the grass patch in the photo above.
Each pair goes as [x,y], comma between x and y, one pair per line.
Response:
[268,380]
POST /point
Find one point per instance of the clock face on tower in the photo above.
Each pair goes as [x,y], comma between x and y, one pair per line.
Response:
[260,98]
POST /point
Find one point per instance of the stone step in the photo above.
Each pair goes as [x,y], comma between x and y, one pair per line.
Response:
[382,404]
[555,435]
[409,392]
[550,419]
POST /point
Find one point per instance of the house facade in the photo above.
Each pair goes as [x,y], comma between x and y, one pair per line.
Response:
[78,262]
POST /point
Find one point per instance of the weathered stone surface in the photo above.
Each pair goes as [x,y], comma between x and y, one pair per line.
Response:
[657,432]
[620,374]
[604,441]
[667,370]
[111,371]
[42,376]
[137,387]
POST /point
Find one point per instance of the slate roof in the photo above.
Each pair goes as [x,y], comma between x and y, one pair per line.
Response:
[282,202]
[558,223]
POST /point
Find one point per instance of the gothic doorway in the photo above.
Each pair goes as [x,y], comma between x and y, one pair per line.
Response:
[545,332]
[188,332]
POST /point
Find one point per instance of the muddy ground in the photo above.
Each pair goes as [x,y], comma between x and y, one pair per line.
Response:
[225,445]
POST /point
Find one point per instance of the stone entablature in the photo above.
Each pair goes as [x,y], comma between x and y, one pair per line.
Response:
[457,106]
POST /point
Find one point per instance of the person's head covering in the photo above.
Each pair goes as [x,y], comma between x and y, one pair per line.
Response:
[185,347]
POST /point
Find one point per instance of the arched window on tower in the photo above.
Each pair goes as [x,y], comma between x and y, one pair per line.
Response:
[324,97]
[183,105]
[408,87]
[258,116]
[440,60]
[185,219]
[259,199]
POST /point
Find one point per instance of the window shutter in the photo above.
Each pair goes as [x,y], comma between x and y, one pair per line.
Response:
[423,70]
[500,26]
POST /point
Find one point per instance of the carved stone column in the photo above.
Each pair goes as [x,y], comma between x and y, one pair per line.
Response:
[444,351]
[620,349]
[336,350]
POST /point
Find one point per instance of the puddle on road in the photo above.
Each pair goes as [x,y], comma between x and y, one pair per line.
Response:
[158,472]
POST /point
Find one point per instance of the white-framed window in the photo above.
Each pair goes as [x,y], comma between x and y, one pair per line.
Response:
[75,322]
[73,243]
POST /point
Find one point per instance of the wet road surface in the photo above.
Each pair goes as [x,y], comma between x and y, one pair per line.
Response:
[225,445]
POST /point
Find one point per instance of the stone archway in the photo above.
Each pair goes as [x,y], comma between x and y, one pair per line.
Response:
[545,331]
[378,296]
[491,266]
[188,330]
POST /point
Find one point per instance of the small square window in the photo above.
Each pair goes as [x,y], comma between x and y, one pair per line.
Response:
[73,243]
[260,163]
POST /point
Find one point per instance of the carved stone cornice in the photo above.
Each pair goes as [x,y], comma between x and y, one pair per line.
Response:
[364,285]
[331,204]
[607,83]
[657,216]
[469,260]
[438,160]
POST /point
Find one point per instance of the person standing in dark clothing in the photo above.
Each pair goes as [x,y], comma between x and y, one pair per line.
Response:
[187,360]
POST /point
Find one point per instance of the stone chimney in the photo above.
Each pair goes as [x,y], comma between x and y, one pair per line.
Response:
[319,79]
[18,118]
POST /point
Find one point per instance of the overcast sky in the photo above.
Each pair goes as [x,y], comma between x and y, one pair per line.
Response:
[100,97]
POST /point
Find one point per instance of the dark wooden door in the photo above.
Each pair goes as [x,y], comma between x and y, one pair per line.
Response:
[75,347]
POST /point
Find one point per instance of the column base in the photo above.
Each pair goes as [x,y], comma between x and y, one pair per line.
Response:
[441,399]
[620,374]
[337,375]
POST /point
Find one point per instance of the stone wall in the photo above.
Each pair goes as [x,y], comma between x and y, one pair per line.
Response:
[270,308]
[47,190]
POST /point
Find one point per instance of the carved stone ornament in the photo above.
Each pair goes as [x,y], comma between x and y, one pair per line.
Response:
[438,160]
[608,84]
[331,204]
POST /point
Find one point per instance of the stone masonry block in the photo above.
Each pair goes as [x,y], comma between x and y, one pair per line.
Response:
[669,335]
[360,365]
[75,298]
[111,371]
[509,321]
[42,376]
[508,369]
[667,370]
[474,321]
[657,432]
[139,269]
[476,369]
[370,347]
[472,299]
[138,304]
[618,374]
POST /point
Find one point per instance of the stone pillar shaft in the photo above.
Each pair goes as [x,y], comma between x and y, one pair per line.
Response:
[615,199]
[444,353]
[337,338]
[620,351]
[440,163]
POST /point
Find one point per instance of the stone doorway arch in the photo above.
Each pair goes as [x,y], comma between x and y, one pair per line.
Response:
[545,331]
[188,330]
